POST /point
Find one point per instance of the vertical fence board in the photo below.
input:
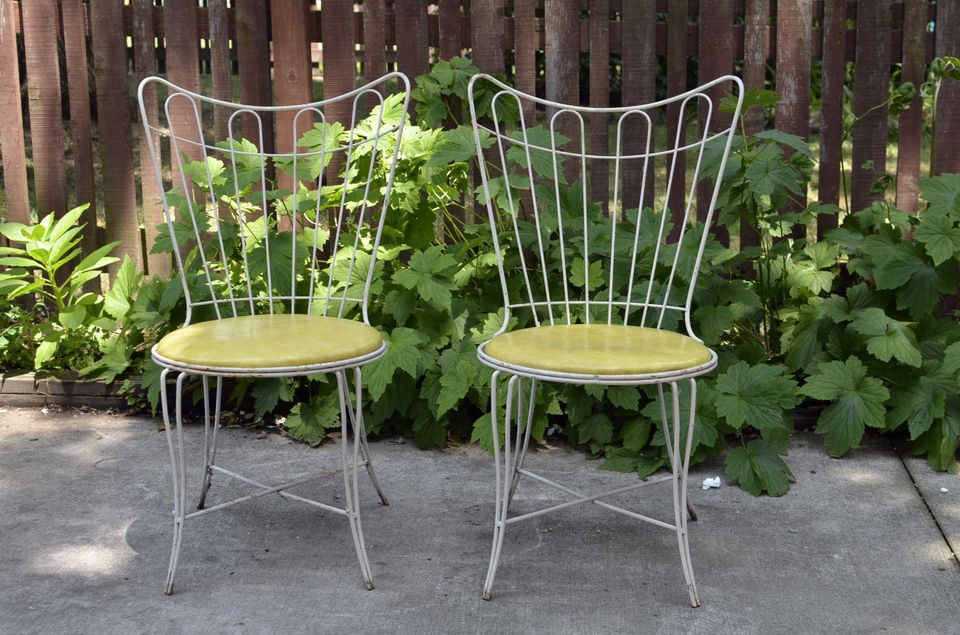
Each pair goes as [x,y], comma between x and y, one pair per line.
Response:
[220,66]
[413,52]
[486,26]
[562,72]
[451,29]
[756,44]
[78,87]
[374,39]
[44,105]
[871,79]
[339,75]
[911,120]
[526,43]
[13,152]
[114,115]
[639,82]
[676,83]
[831,108]
[253,63]
[948,109]
[599,81]
[794,35]
[716,50]
[182,59]
[291,66]
[145,62]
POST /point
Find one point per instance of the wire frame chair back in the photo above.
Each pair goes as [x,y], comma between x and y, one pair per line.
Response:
[254,230]
[601,215]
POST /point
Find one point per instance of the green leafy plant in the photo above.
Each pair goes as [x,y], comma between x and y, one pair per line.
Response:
[44,262]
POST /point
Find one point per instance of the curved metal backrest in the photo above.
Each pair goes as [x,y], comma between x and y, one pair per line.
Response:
[253,230]
[601,214]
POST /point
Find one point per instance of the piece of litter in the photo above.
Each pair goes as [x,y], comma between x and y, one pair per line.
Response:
[710,482]
[944,490]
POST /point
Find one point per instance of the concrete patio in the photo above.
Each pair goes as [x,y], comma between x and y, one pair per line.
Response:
[865,544]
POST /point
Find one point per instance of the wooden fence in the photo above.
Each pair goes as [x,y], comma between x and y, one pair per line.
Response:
[68,71]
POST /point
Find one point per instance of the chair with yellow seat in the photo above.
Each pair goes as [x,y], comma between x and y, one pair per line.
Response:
[600,218]
[275,251]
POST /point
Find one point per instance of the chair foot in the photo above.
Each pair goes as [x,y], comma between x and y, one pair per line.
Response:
[486,595]
[369,586]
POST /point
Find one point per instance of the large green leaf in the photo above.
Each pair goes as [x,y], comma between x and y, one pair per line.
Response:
[940,237]
[429,272]
[758,468]
[755,395]
[857,401]
[888,338]
[403,352]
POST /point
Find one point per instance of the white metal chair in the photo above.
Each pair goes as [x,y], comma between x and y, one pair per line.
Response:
[594,214]
[275,253]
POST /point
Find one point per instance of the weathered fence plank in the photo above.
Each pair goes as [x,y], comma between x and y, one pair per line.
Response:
[339,74]
[871,80]
[13,155]
[639,83]
[374,39]
[599,81]
[113,105]
[220,65]
[794,23]
[486,26]
[831,108]
[413,52]
[145,64]
[911,120]
[44,105]
[81,135]
[948,110]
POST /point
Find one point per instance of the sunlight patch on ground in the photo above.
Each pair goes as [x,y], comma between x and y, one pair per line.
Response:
[85,560]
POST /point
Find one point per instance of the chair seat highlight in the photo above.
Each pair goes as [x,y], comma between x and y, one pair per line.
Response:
[264,342]
[598,350]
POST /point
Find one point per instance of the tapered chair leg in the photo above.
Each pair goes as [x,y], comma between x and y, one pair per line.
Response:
[678,450]
[174,435]
[356,418]
[351,458]
[210,427]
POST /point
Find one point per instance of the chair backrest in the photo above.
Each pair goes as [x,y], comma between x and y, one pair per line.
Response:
[600,215]
[258,230]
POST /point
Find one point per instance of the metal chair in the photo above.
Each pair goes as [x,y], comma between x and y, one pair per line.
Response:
[275,252]
[594,215]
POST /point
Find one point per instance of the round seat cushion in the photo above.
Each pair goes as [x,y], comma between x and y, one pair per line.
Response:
[268,341]
[598,349]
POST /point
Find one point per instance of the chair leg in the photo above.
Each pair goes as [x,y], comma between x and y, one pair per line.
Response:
[174,434]
[209,437]
[506,464]
[351,457]
[680,462]
[523,431]
[356,419]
